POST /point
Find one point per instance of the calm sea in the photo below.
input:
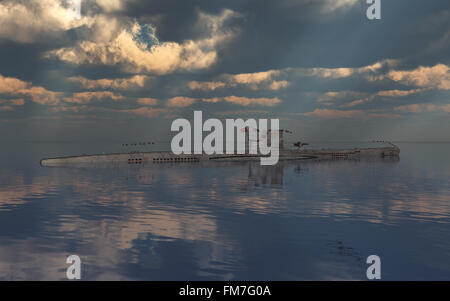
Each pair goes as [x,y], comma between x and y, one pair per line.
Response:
[240,221]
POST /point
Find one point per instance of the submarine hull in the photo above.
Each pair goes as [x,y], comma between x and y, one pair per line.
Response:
[168,157]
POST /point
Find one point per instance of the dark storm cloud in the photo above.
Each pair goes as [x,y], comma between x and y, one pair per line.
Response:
[280,37]
[288,36]
[287,33]
[277,34]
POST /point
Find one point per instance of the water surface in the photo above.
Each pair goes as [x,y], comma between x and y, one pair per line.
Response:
[295,221]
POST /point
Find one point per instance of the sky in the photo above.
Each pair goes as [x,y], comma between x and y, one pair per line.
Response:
[123,70]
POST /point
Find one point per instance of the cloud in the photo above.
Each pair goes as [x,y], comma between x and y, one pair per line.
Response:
[141,111]
[72,109]
[277,85]
[333,5]
[137,49]
[137,81]
[254,81]
[212,100]
[13,102]
[147,101]
[146,112]
[357,102]
[86,97]
[414,108]
[17,102]
[399,93]
[35,20]
[337,73]
[331,72]
[240,112]
[180,101]
[329,97]
[258,79]
[268,79]
[332,95]
[325,6]
[385,115]
[253,78]
[10,85]
[6,108]
[41,95]
[30,21]
[419,108]
[385,93]
[9,104]
[437,77]
[110,5]
[326,113]
[205,86]
[16,87]
[246,101]
[344,72]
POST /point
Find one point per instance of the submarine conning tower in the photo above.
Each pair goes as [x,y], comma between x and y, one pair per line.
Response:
[269,137]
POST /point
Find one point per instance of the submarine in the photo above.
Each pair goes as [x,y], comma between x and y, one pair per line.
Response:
[168,157]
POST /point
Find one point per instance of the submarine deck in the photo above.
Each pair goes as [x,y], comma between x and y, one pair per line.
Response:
[168,157]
